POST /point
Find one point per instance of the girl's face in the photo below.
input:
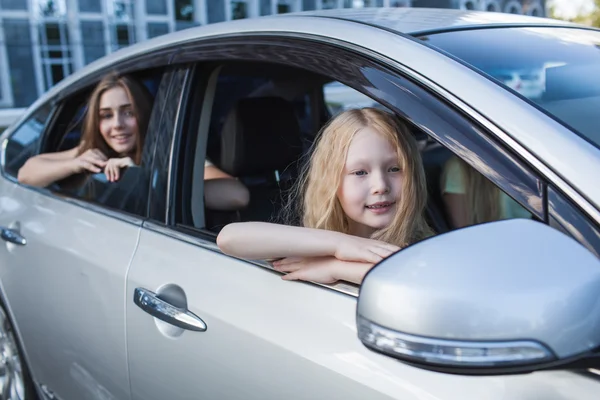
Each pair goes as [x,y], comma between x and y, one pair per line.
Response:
[371,183]
[118,125]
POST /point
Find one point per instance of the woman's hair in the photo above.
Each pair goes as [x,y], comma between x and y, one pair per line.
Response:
[315,194]
[142,106]
[482,197]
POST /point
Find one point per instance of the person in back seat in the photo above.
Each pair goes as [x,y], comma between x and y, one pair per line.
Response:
[362,197]
[114,129]
[470,198]
[223,192]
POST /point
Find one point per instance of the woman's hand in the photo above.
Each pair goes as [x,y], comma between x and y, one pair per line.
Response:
[321,269]
[112,170]
[92,160]
[354,248]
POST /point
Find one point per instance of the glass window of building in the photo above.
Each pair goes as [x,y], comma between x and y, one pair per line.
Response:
[184,10]
[122,28]
[55,51]
[328,4]
[239,9]
[286,6]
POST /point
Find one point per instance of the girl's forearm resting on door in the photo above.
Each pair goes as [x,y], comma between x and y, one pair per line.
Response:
[261,240]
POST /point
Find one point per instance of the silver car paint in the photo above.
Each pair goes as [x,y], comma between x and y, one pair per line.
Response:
[269,339]
[324,332]
[438,294]
[66,291]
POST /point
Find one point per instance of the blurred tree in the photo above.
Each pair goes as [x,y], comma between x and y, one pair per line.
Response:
[586,18]
[594,17]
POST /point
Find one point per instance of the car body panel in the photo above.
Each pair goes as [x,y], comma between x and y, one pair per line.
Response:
[269,339]
[266,338]
[66,291]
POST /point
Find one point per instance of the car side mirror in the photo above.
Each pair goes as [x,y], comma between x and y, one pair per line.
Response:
[502,297]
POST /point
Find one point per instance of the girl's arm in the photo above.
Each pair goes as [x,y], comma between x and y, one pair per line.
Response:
[322,269]
[261,240]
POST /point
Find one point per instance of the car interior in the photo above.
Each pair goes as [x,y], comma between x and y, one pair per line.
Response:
[66,134]
[264,119]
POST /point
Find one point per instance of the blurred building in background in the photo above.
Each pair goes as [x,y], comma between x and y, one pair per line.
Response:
[42,41]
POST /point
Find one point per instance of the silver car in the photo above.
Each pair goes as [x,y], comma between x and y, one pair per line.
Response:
[123,294]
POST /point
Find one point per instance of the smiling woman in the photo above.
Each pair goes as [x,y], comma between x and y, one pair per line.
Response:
[114,128]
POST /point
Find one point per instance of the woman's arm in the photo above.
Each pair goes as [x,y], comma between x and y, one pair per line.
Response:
[261,241]
[44,169]
[225,194]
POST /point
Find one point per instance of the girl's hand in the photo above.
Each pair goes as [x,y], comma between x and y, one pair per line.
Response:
[314,269]
[322,269]
[112,170]
[92,160]
[354,248]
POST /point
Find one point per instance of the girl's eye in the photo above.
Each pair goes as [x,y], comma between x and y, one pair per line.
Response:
[395,169]
[128,113]
[359,173]
[105,116]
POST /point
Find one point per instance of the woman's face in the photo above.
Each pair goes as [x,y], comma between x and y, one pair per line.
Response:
[118,124]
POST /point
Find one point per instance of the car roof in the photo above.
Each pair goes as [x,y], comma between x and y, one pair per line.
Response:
[405,20]
[417,21]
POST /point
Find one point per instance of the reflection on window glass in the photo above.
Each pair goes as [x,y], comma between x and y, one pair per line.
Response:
[556,68]
[339,97]
[184,10]
[471,198]
[239,10]
[24,142]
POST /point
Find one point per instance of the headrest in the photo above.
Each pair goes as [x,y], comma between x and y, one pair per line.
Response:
[260,135]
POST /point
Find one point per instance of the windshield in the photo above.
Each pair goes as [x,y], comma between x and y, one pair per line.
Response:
[556,68]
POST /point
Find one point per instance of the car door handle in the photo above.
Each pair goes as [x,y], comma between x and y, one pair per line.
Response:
[12,236]
[155,306]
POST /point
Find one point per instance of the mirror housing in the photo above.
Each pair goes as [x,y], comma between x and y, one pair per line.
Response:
[502,297]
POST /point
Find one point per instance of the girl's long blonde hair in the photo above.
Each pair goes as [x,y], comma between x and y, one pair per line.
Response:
[142,106]
[315,194]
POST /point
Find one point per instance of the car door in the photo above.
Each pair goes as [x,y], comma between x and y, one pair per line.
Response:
[65,280]
[201,324]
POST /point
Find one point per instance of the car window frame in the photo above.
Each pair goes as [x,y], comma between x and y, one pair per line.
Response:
[78,89]
[249,48]
[12,131]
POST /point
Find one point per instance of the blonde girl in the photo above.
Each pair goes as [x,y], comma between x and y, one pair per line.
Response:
[361,197]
